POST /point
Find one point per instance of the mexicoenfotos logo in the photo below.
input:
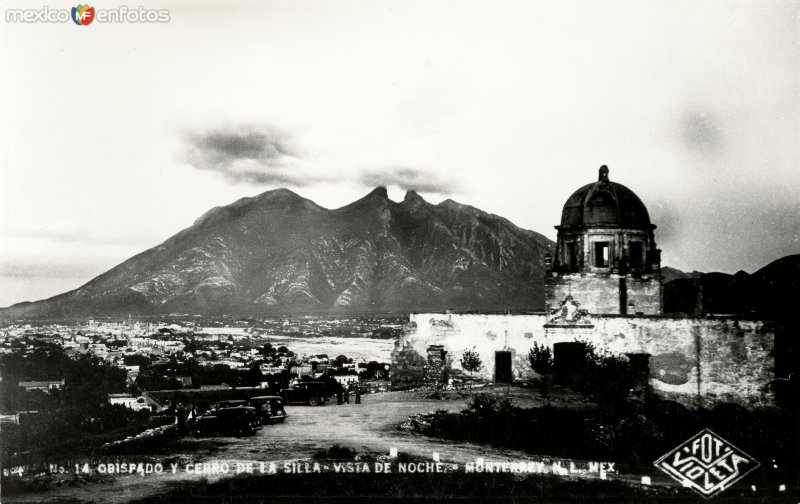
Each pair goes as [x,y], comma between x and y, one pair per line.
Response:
[83,15]
[707,463]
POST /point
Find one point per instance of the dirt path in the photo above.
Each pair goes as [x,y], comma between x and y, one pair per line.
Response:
[367,427]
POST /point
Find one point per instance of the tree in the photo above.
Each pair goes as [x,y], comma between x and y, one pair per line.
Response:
[254,376]
[541,361]
[341,360]
[136,360]
[471,362]
[377,369]
[268,349]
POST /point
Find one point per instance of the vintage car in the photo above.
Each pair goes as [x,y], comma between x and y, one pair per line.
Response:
[229,403]
[269,408]
[311,393]
[233,421]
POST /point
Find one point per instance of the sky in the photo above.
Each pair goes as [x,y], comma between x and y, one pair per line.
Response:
[115,136]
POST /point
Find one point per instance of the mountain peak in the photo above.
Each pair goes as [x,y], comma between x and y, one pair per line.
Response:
[281,191]
[413,201]
[378,197]
[281,197]
[380,192]
[412,196]
[278,252]
[455,205]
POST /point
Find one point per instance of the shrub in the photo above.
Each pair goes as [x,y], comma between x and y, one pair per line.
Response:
[471,362]
[335,452]
[541,361]
[605,378]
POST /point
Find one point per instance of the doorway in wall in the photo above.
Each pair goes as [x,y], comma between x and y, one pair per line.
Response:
[568,357]
[502,367]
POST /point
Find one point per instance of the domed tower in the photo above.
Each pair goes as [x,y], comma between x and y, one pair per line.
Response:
[606,256]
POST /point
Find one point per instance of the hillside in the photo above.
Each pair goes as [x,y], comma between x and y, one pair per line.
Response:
[281,253]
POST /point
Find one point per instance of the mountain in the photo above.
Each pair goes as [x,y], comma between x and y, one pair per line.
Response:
[281,253]
[773,292]
[668,274]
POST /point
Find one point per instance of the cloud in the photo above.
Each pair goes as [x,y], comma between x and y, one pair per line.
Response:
[51,269]
[256,155]
[104,234]
[409,179]
[702,133]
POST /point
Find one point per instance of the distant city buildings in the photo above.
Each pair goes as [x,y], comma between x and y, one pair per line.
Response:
[129,401]
[43,385]
[346,380]
[242,346]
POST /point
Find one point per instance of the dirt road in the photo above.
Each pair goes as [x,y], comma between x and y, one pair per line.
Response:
[368,427]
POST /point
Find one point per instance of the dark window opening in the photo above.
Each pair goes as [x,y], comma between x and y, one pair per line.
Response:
[572,257]
[601,254]
[636,254]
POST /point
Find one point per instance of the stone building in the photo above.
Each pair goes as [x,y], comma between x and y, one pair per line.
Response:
[603,285]
[606,254]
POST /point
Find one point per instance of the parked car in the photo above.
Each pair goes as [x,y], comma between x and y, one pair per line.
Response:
[229,403]
[311,393]
[236,421]
[269,408]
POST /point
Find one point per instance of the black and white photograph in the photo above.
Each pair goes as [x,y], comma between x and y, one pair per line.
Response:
[400,251]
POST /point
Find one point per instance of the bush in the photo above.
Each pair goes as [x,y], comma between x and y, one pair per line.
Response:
[624,437]
[481,404]
[335,452]
[541,361]
[604,377]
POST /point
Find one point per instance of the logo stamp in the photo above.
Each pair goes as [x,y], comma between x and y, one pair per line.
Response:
[83,15]
[707,463]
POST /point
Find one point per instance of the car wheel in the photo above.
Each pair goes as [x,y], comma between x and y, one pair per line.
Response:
[314,401]
[280,420]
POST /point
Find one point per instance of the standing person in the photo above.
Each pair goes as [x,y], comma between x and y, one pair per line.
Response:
[358,395]
[180,414]
[339,393]
[347,395]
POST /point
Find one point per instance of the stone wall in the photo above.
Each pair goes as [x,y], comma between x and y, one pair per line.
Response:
[644,296]
[600,292]
[697,362]
[436,367]
[408,365]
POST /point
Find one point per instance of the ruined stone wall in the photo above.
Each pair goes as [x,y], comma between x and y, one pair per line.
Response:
[600,293]
[645,296]
[408,365]
[697,362]
[596,293]
[436,367]
[487,333]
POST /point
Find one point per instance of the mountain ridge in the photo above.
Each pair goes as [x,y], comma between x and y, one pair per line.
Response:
[772,292]
[278,251]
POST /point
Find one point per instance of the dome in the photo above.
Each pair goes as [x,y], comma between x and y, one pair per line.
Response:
[605,203]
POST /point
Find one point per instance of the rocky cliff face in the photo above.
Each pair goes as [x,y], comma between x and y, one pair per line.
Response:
[281,253]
